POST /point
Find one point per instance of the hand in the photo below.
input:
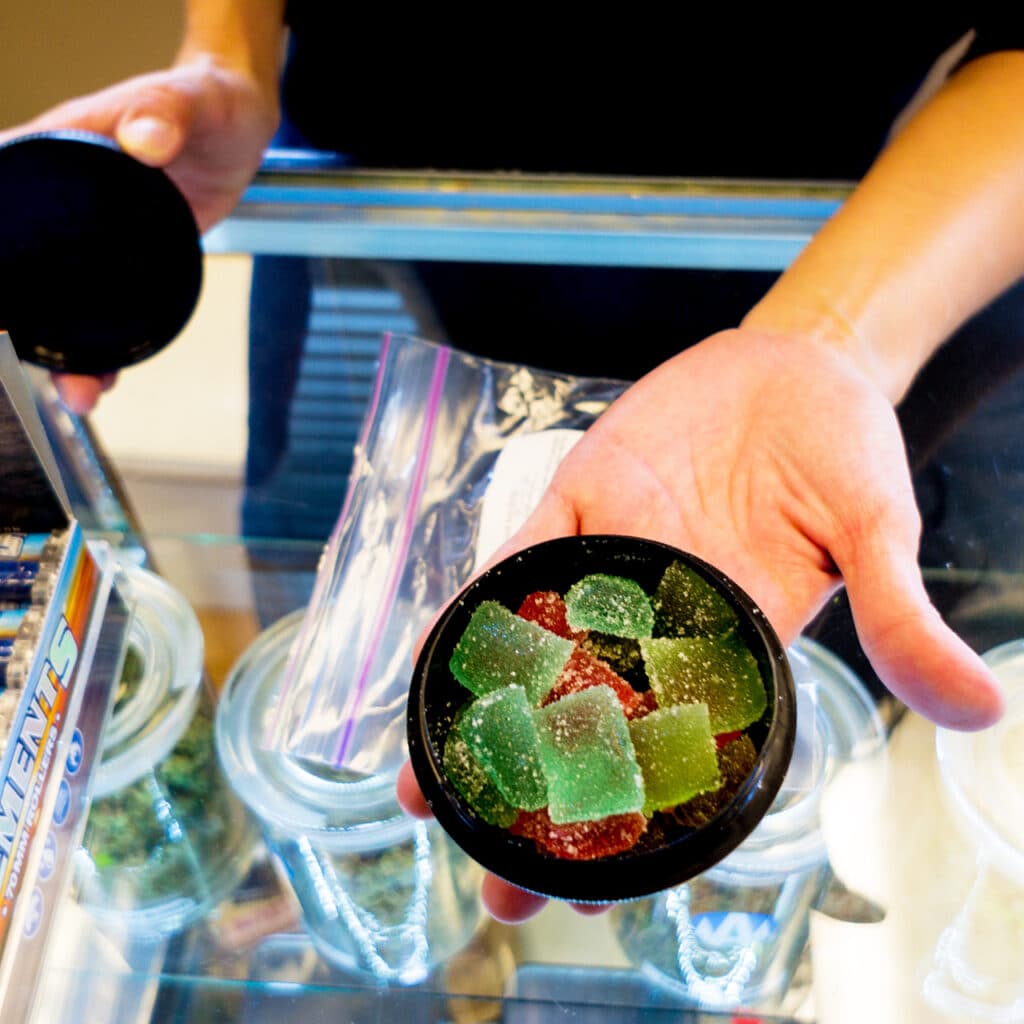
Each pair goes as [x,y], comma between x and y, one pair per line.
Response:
[776,459]
[207,125]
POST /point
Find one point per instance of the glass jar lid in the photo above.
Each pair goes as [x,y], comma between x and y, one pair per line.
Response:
[983,771]
[344,810]
[160,681]
[837,722]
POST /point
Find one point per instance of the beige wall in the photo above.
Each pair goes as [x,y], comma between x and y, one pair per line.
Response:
[51,50]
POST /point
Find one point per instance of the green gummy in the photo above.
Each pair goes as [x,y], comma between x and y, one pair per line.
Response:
[675,749]
[609,604]
[588,757]
[685,604]
[467,775]
[717,671]
[498,649]
[736,761]
[499,730]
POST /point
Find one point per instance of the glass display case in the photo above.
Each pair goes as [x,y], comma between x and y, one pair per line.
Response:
[245,888]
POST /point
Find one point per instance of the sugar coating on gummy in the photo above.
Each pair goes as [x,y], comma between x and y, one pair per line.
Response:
[581,840]
[717,671]
[588,758]
[676,753]
[583,670]
[609,604]
[685,604]
[499,730]
[467,775]
[547,609]
[736,761]
[498,648]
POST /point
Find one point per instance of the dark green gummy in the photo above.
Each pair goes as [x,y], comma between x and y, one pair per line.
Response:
[467,775]
[609,604]
[498,649]
[685,604]
[621,652]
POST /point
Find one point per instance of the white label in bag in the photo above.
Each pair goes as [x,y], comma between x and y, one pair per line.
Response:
[521,474]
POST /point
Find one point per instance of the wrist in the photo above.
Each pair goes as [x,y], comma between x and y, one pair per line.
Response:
[242,38]
[826,327]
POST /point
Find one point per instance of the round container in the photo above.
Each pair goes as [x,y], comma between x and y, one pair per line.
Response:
[165,840]
[382,894]
[734,935]
[653,864]
[99,254]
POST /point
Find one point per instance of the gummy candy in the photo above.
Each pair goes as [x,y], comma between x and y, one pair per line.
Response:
[685,604]
[676,753]
[717,671]
[588,757]
[498,648]
[583,670]
[467,775]
[581,840]
[736,761]
[609,604]
[621,652]
[547,609]
[499,731]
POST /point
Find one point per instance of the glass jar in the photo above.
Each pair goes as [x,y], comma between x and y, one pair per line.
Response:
[733,936]
[977,966]
[166,840]
[381,894]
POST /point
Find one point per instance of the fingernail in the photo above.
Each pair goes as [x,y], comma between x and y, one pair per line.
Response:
[150,139]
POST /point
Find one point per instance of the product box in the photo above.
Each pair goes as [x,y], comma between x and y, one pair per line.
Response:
[61,645]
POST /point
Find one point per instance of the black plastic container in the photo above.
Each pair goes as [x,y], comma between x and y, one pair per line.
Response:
[435,696]
[100,256]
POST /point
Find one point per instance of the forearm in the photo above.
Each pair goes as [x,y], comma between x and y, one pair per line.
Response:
[933,232]
[243,35]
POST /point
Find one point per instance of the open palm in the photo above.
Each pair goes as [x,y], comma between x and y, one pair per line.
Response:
[777,460]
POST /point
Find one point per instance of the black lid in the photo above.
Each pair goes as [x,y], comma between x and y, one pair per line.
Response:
[435,696]
[100,259]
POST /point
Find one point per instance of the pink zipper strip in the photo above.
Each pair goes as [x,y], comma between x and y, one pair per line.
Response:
[398,564]
[324,580]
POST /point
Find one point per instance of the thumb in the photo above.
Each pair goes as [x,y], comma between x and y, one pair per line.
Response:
[156,126]
[918,657]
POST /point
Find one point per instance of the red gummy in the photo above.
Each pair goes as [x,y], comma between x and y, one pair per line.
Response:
[727,737]
[583,670]
[547,609]
[580,840]
[644,702]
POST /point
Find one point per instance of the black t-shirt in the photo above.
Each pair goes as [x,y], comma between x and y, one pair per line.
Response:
[627,92]
[633,92]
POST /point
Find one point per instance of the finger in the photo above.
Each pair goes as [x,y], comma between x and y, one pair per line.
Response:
[590,909]
[918,657]
[80,393]
[410,796]
[507,903]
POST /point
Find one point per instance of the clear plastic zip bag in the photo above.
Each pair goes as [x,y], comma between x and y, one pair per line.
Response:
[455,451]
